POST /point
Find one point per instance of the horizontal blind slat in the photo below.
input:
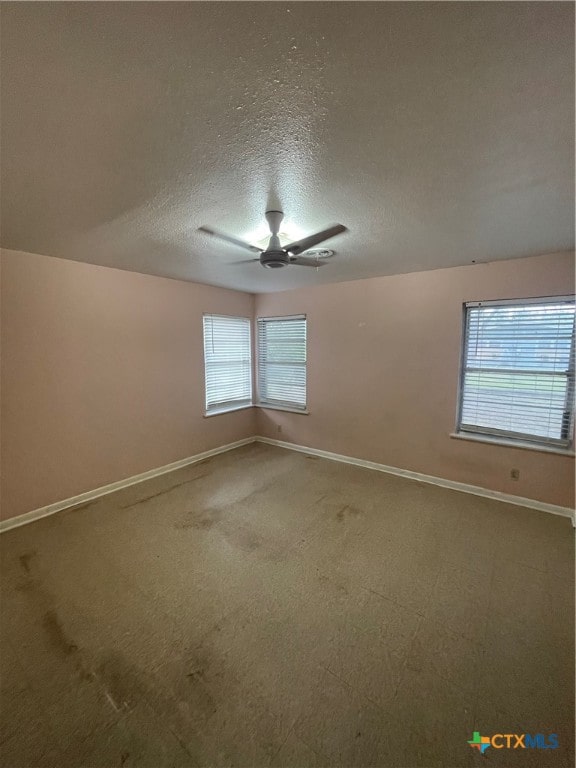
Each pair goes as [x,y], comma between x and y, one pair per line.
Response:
[227,361]
[282,361]
[518,370]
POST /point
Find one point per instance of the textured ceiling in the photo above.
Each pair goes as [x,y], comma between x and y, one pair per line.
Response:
[438,133]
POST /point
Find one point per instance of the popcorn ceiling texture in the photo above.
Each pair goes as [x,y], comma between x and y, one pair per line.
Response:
[439,133]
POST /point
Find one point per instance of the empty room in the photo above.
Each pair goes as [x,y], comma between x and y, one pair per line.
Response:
[287,384]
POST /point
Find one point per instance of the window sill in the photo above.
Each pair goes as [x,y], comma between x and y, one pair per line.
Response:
[286,408]
[228,409]
[524,445]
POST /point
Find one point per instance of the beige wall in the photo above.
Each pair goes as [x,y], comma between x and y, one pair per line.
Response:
[383,373]
[102,376]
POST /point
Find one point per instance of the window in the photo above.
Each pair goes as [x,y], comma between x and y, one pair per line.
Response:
[518,370]
[282,362]
[227,362]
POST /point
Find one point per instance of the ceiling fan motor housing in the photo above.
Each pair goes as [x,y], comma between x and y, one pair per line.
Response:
[274,259]
[275,256]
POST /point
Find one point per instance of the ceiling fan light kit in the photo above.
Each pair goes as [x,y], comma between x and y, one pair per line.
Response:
[275,256]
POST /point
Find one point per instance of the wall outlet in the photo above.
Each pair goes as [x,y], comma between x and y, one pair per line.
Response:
[279,428]
[515,474]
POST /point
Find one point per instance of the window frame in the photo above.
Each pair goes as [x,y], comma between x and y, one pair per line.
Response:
[229,405]
[278,405]
[516,439]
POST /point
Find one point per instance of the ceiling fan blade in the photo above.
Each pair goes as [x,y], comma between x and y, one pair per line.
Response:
[229,239]
[312,240]
[302,261]
[244,261]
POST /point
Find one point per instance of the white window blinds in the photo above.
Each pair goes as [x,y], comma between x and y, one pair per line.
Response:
[282,361]
[227,361]
[518,370]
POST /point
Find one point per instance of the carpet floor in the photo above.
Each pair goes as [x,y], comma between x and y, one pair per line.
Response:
[269,608]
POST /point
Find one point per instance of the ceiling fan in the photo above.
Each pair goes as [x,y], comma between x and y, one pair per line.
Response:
[275,255]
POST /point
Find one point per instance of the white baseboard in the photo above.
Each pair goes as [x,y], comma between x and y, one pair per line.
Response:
[452,484]
[51,509]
